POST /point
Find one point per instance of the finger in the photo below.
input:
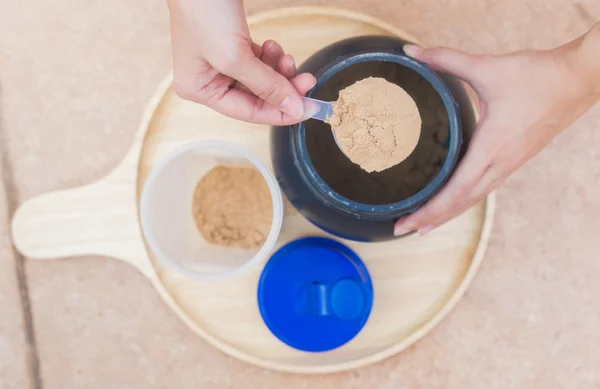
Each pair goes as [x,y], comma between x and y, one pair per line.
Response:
[257,50]
[241,105]
[303,83]
[267,84]
[466,176]
[494,175]
[473,166]
[245,106]
[459,209]
[454,62]
[272,54]
[287,66]
[241,87]
[489,181]
[266,114]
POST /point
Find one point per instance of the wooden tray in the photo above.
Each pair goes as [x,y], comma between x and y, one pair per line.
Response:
[417,281]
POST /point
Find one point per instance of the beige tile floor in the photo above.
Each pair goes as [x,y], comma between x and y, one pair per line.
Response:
[74,79]
[15,352]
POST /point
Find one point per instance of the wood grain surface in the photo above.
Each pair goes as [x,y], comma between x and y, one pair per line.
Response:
[417,280]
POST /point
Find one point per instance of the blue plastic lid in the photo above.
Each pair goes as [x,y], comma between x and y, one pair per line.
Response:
[315,294]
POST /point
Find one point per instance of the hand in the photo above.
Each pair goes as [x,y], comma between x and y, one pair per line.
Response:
[526,99]
[215,63]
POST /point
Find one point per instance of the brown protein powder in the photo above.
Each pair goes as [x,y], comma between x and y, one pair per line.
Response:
[376,123]
[232,207]
[399,181]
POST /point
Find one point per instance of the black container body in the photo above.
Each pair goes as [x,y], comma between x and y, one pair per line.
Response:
[305,163]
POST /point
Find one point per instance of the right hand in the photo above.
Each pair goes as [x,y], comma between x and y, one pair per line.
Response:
[215,63]
[526,98]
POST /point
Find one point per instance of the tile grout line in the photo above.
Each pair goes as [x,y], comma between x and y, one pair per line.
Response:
[32,358]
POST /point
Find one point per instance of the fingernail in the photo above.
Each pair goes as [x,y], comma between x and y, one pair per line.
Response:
[292,107]
[402,229]
[425,230]
[270,46]
[413,51]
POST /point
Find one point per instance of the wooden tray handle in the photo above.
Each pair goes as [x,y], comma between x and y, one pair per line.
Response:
[99,219]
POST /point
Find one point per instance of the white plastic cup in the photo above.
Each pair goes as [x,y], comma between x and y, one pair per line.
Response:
[168,222]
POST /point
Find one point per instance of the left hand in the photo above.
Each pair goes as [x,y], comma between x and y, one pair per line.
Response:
[526,99]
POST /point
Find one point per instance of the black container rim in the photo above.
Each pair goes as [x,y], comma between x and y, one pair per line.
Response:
[413,202]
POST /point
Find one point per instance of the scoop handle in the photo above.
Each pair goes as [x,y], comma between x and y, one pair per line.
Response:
[317,109]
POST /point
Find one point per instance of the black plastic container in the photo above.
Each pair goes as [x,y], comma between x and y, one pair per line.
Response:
[337,195]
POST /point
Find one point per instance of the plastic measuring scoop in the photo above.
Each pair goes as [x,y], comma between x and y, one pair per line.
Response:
[317,109]
[320,110]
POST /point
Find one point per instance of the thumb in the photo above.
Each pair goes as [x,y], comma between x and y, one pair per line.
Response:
[268,85]
[454,62]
